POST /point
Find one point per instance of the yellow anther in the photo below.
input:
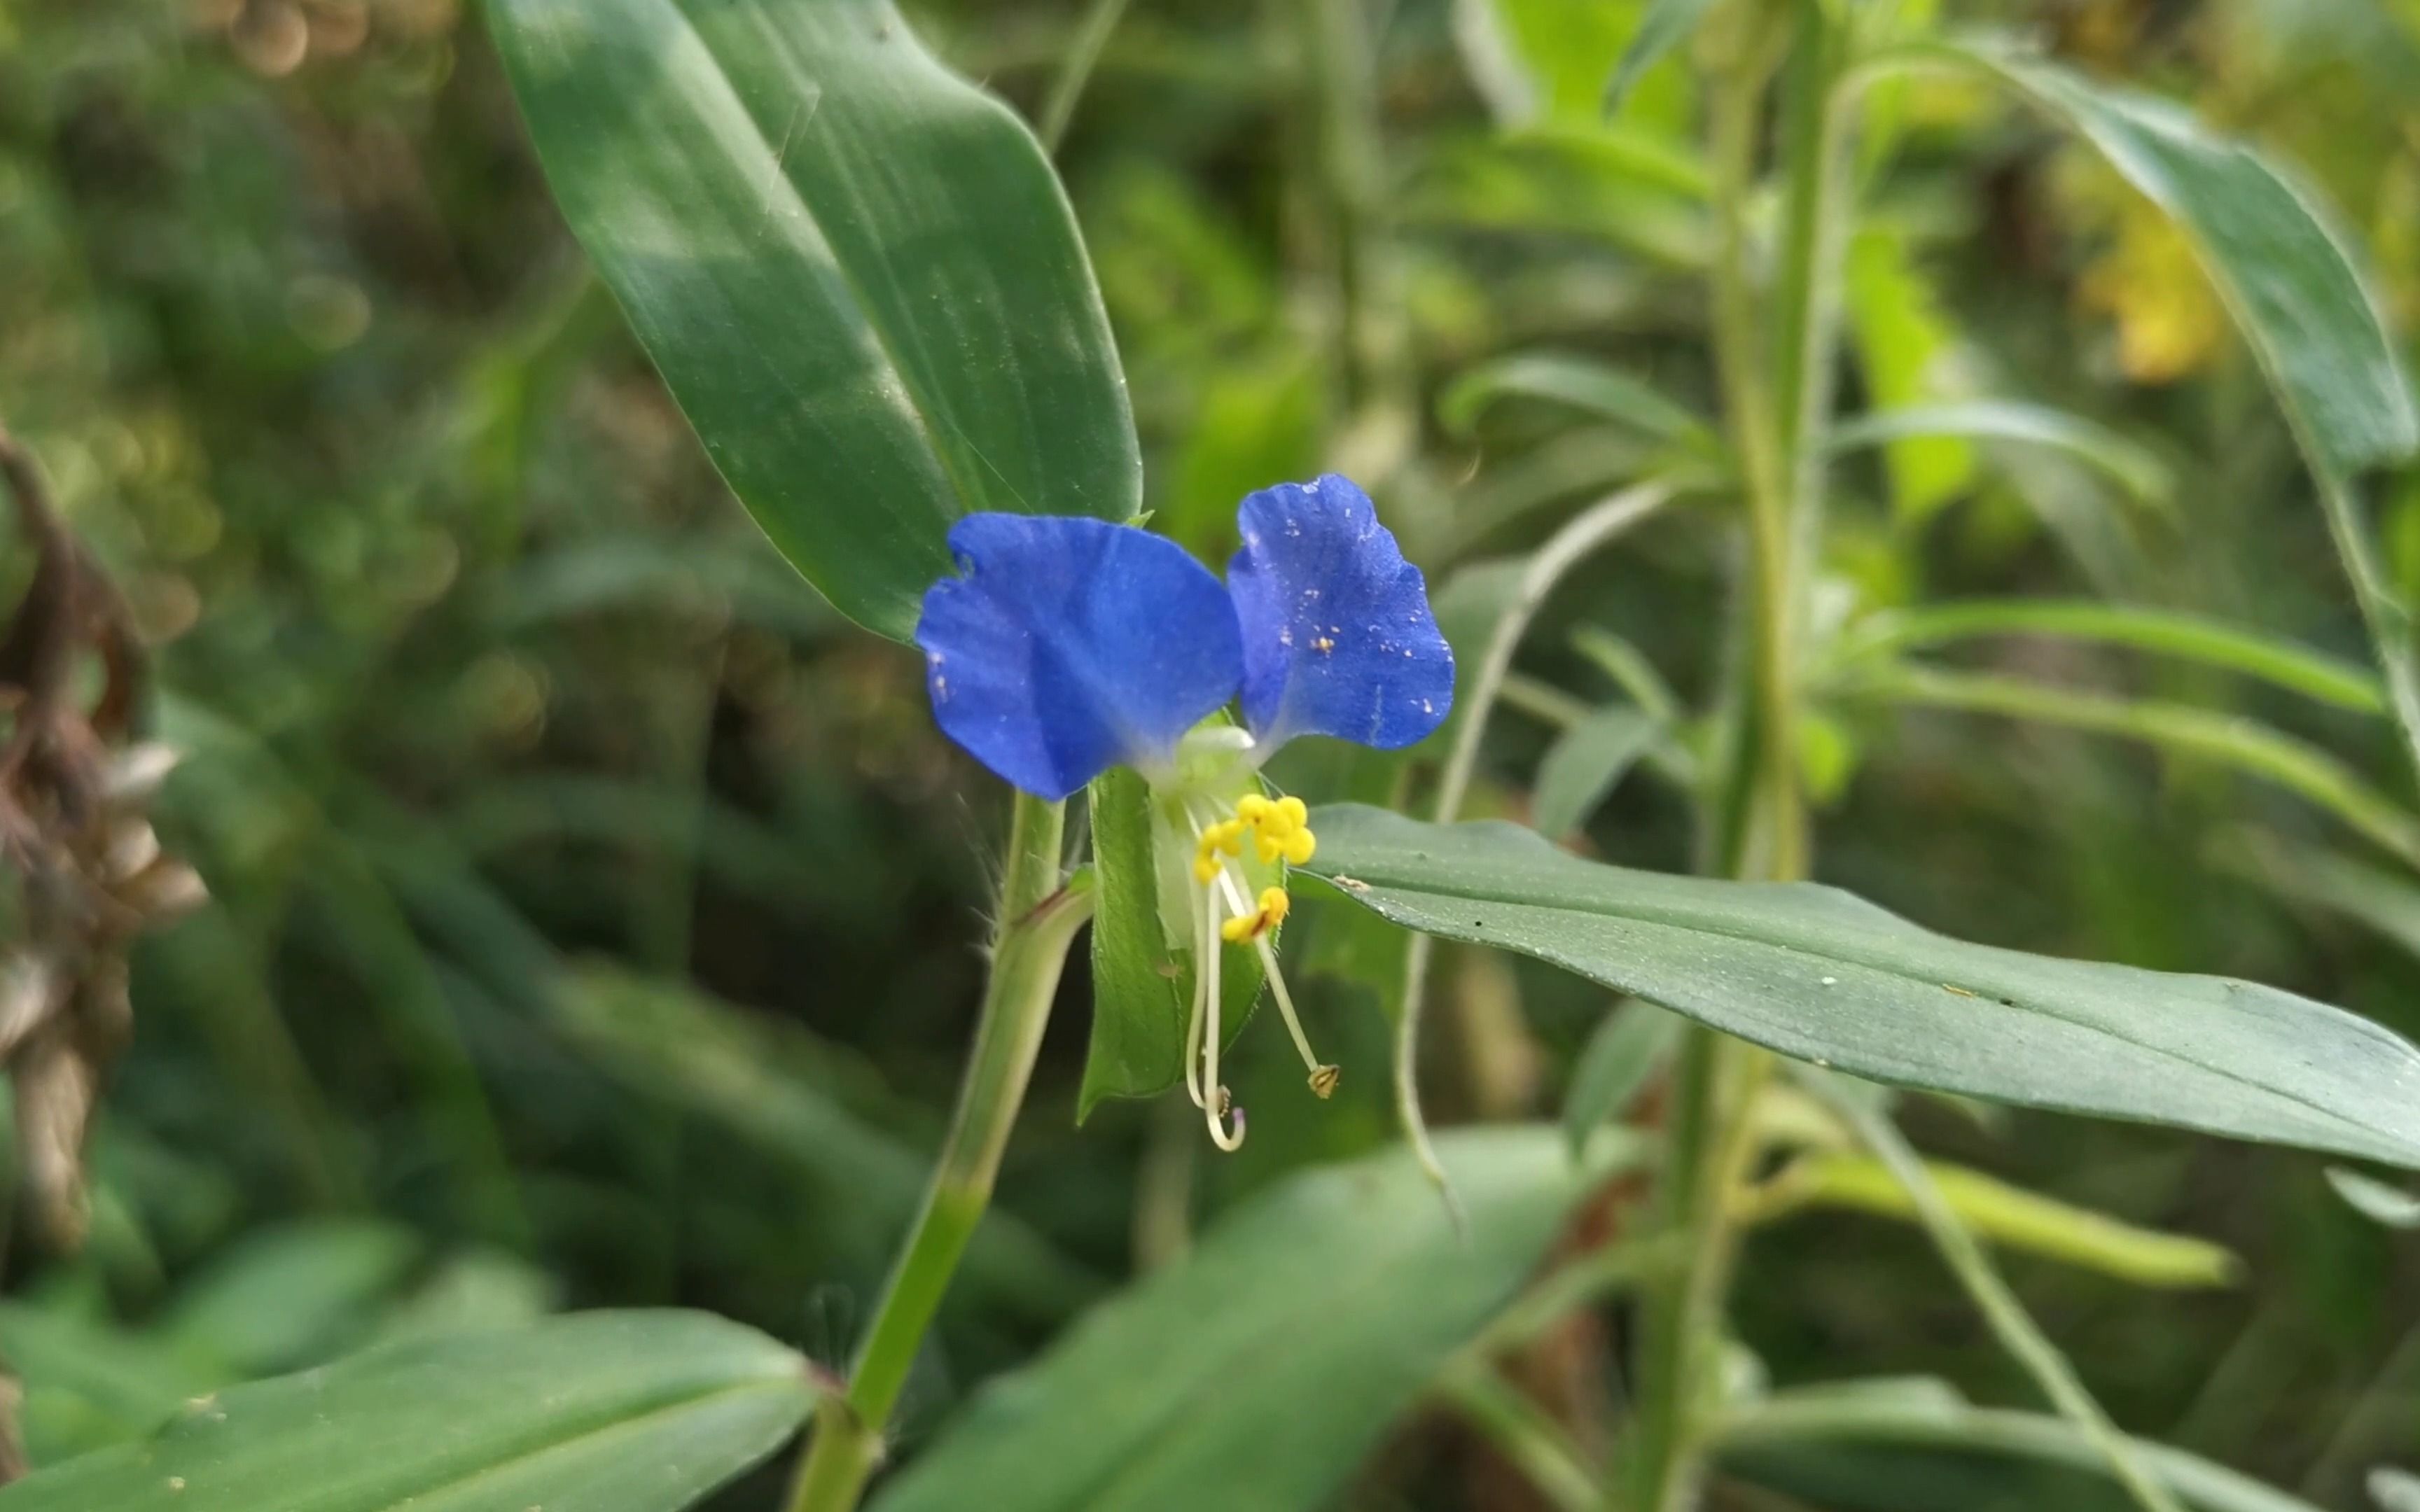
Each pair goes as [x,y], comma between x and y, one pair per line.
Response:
[1252,808]
[1292,810]
[1301,846]
[1206,869]
[1251,926]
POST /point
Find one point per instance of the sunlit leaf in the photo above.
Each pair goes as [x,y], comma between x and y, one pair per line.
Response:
[1666,22]
[2015,1218]
[1818,974]
[1906,346]
[855,270]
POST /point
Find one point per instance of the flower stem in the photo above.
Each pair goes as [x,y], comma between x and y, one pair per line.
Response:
[1038,920]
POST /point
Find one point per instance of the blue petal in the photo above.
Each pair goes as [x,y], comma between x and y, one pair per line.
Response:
[1338,638]
[1072,646]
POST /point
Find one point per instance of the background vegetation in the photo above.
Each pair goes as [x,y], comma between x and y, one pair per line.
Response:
[595,914]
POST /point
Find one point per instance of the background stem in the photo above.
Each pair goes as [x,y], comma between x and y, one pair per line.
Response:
[1778,398]
[1038,920]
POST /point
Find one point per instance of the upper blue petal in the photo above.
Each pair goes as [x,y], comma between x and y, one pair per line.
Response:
[1338,638]
[1071,645]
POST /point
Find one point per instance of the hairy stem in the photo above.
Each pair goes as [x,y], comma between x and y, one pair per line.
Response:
[1038,920]
[1778,398]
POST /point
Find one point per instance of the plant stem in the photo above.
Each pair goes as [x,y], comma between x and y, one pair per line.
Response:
[2011,1323]
[1038,919]
[1521,1431]
[1854,1419]
[1776,416]
[1076,71]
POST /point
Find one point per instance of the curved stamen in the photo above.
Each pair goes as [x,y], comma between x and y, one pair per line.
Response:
[1322,1076]
[1203,944]
[1218,1100]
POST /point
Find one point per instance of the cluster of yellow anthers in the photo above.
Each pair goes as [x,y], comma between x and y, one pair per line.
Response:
[1280,829]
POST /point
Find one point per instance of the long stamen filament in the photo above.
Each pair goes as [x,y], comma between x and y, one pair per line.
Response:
[1204,943]
[1323,1075]
[1217,1100]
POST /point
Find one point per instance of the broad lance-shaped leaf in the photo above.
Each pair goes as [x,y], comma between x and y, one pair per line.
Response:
[856,271]
[1821,975]
[1258,1371]
[643,1411]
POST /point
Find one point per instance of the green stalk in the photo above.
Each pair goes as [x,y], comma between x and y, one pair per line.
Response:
[1524,1433]
[1038,920]
[1776,415]
[1076,70]
[2015,1329]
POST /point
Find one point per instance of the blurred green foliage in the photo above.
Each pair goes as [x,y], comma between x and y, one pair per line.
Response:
[594,911]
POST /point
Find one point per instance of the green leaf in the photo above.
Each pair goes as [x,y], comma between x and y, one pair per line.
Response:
[2132,468]
[2288,277]
[1666,22]
[1629,1046]
[2283,269]
[280,1297]
[1586,764]
[1138,1005]
[1539,60]
[2012,1217]
[1825,1442]
[1143,981]
[781,1092]
[2192,637]
[1578,382]
[1257,1372]
[856,271]
[1824,975]
[1904,344]
[2180,729]
[2390,1206]
[602,1412]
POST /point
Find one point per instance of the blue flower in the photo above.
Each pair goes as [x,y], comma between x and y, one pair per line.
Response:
[1067,646]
